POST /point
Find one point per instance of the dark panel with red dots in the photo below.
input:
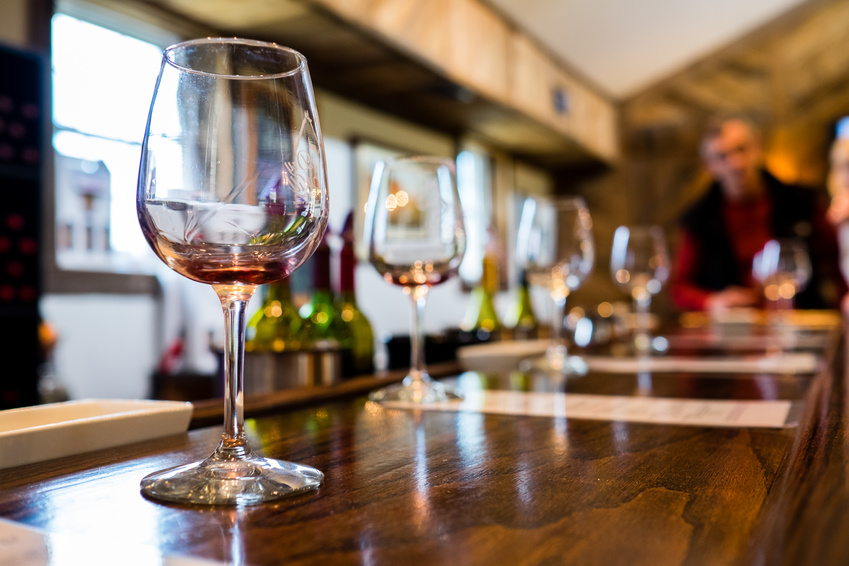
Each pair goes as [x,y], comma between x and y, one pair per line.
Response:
[21,123]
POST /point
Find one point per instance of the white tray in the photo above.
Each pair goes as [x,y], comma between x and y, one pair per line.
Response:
[44,432]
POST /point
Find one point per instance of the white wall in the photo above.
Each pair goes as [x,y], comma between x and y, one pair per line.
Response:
[105,343]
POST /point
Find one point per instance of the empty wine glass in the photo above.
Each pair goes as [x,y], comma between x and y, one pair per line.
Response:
[639,264]
[232,192]
[555,248]
[415,237]
[783,268]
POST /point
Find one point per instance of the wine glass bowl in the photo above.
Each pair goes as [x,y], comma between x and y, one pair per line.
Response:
[783,269]
[415,236]
[555,248]
[232,192]
[639,264]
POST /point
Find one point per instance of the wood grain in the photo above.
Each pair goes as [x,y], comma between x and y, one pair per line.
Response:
[407,487]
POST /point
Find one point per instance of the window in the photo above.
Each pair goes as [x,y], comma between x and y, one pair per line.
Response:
[474,182]
[102,84]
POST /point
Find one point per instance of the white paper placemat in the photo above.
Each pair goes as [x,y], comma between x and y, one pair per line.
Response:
[789,363]
[746,341]
[694,412]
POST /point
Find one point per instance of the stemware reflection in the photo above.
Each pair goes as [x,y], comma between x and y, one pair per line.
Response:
[233,533]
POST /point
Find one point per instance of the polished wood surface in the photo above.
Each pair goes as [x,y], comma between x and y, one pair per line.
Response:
[410,487]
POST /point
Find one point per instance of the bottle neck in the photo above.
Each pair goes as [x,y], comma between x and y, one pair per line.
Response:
[321,270]
[280,291]
[347,267]
[489,278]
[322,296]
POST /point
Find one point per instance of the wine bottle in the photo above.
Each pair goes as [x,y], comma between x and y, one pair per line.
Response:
[276,326]
[357,335]
[321,321]
[481,317]
[521,319]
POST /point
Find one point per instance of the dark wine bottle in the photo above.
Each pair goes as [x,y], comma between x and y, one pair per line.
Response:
[357,334]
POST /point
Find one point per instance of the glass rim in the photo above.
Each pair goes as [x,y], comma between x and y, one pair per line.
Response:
[642,228]
[421,159]
[168,52]
[560,200]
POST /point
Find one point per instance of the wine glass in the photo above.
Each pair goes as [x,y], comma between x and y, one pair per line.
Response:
[415,237]
[783,268]
[232,192]
[555,248]
[639,264]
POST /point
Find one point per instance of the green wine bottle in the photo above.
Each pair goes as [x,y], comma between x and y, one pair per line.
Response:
[276,326]
[521,319]
[321,326]
[358,335]
[481,315]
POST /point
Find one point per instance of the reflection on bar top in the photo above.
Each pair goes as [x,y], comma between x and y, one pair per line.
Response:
[21,545]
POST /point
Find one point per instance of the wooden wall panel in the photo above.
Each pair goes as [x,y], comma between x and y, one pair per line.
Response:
[480,49]
[477,49]
[588,116]
[531,79]
[419,27]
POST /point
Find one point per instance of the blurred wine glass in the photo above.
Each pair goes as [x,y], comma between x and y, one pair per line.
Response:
[555,249]
[639,264]
[232,192]
[416,238]
[783,269]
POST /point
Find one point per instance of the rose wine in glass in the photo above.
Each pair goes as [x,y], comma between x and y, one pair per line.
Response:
[232,192]
[416,238]
[639,264]
[555,247]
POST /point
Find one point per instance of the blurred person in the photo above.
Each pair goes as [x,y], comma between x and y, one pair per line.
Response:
[838,212]
[744,207]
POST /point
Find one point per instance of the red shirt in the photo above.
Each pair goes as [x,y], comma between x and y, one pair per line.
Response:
[747,226]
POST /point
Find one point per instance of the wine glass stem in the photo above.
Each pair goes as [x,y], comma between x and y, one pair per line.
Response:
[559,314]
[234,300]
[417,339]
[642,304]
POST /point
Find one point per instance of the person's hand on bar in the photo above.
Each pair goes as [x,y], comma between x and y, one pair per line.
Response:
[731,297]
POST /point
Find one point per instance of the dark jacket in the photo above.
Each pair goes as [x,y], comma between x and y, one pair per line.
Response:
[796,213]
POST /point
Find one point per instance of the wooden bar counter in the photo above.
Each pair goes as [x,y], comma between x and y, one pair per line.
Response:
[429,487]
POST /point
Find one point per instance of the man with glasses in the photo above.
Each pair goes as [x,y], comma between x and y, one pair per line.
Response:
[744,207]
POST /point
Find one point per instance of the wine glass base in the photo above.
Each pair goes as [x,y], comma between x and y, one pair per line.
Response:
[217,481]
[642,346]
[555,362]
[412,390]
